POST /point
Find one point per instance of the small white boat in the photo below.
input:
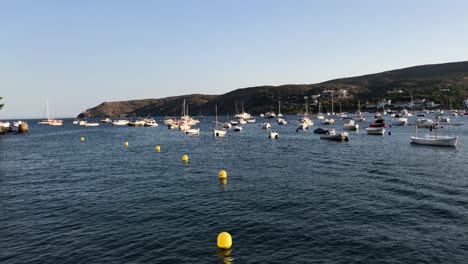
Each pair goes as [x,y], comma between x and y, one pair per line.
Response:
[251,120]
[327,121]
[192,131]
[227,125]
[234,122]
[106,120]
[241,121]
[281,121]
[375,130]
[332,135]
[173,126]
[302,126]
[137,123]
[400,121]
[76,122]
[306,120]
[184,126]
[5,125]
[349,124]
[150,122]
[120,122]
[237,128]
[435,140]
[270,114]
[82,123]
[273,135]
[266,125]
[92,124]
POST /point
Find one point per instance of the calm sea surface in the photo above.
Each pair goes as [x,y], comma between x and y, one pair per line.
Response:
[298,199]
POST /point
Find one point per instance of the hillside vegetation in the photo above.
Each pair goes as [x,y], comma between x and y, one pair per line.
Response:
[443,83]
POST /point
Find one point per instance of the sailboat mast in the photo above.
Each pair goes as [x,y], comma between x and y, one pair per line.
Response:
[216,116]
[333,110]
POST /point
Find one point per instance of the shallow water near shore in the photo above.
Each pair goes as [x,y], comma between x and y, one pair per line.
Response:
[298,199]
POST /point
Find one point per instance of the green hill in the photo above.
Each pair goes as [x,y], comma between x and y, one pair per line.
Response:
[442,83]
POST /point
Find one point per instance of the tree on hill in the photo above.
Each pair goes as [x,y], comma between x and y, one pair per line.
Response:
[1,105]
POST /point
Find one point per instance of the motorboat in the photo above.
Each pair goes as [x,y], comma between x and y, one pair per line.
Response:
[237,128]
[400,121]
[192,131]
[106,120]
[137,123]
[281,121]
[379,122]
[273,135]
[322,130]
[266,125]
[150,122]
[332,135]
[120,122]
[375,130]
[82,123]
[327,121]
[92,124]
[349,124]
[302,126]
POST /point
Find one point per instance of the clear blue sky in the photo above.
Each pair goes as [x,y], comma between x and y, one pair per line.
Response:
[78,54]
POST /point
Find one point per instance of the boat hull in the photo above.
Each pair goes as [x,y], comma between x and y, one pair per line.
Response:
[433,141]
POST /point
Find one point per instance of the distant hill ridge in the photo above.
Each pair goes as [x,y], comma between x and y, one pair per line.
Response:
[444,83]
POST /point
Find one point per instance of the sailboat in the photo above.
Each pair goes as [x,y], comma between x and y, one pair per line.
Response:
[435,140]
[320,116]
[359,116]
[280,120]
[279,109]
[305,121]
[49,121]
[218,132]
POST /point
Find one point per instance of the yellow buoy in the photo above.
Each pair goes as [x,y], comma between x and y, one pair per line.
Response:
[82,139]
[222,174]
[126,144]
[224,240]
[185,158]
[158,148]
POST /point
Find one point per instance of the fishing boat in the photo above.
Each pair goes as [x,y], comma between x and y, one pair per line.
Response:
[434,140]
